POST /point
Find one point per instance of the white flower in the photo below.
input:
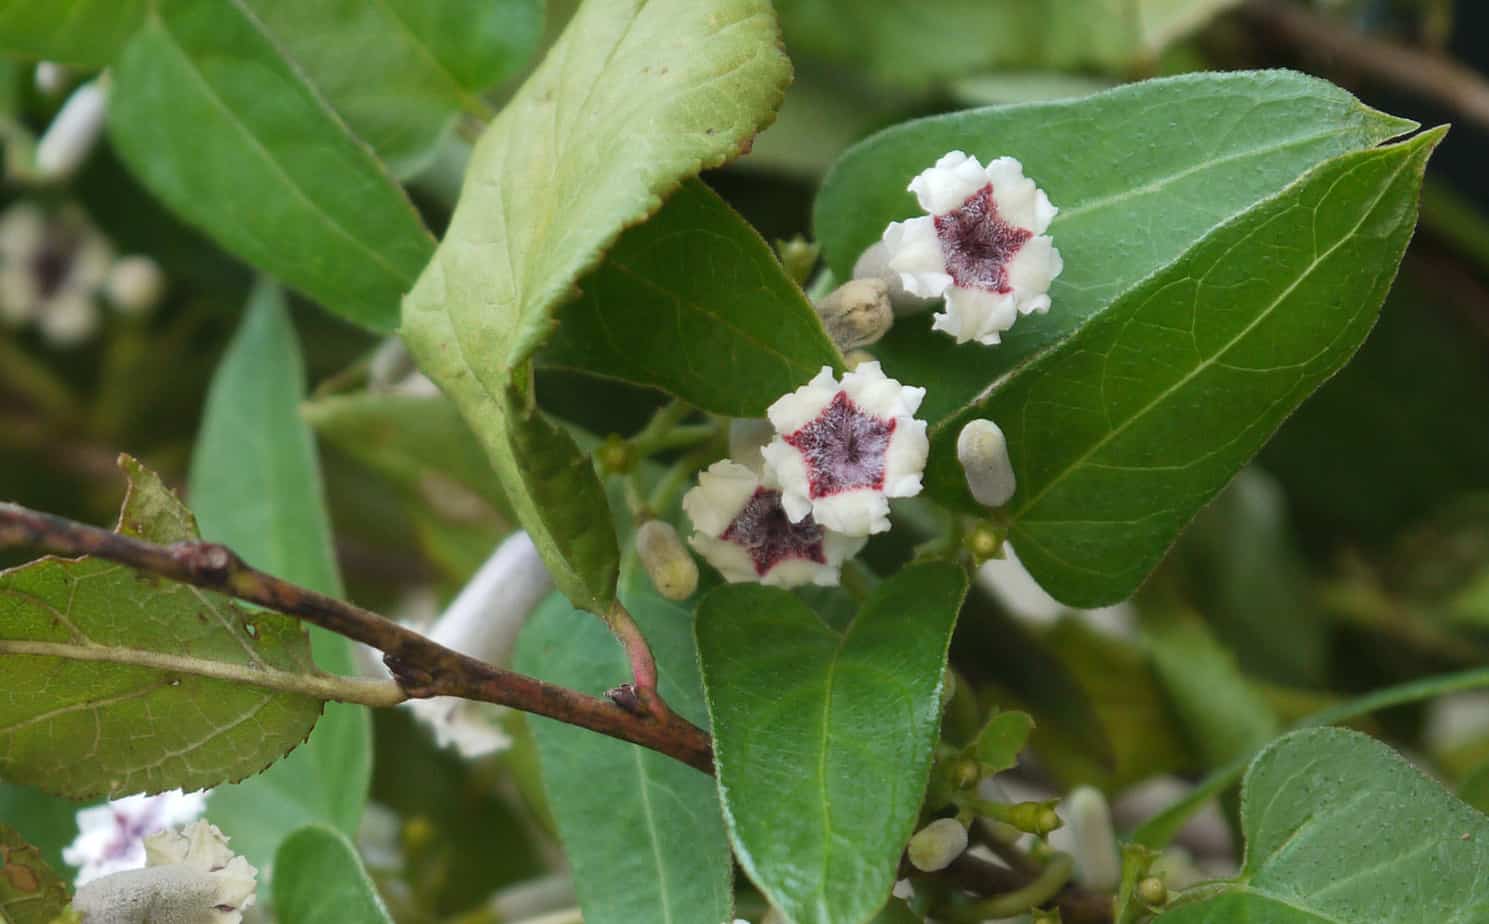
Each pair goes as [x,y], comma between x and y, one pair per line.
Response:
[483,622]
[111,837]
[51,268]
[1011,584]
[981,246]
[843,450]
[742,529]
[192,877]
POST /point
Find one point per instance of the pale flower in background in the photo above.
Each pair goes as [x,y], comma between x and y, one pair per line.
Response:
[111,837]
[843,449]
[742,529]
[981,246]
[1011,584]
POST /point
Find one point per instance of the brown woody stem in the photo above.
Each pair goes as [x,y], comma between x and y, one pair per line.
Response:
[422,667]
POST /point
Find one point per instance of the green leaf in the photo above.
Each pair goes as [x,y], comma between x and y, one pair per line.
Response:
[1342,830]
[822,740]
[1001,739]
[286,187]
[550,186]
[31,892]
[400,71]
[256,486]
[1124,430]
[120,682]
[728,332]
[318,876]
[643,833]
[1131,201]
[49,822]
[86,33]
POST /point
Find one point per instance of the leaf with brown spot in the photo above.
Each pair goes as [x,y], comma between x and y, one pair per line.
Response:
[30,891]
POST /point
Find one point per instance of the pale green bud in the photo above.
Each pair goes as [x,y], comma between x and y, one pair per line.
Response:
[937,844]
[672,570]
[983,452]
[856,313]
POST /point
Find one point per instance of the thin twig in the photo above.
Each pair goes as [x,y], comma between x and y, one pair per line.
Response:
[1433,76]
[422,667]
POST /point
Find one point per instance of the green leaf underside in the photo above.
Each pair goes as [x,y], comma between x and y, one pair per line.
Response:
[632,99]
[30,891]
[1122,433]
[728,332]
[116,679]
[80,32]
[400,71]
[1002,738]
[256,487]
[1341,830]
[318,877]
[287,187]
[914,43]
[644,833]
[1141,174]
[822,740]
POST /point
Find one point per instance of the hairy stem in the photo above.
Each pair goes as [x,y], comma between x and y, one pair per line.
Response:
[423,668]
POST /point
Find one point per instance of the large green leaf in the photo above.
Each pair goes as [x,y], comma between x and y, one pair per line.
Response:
[118,682]
[286,186]
[81,32]
[318,877]
[1341,830]
[1124,431]
[632,99]
[643,833]
[913,43]
[31,892]
[1140,173]
[48,822]
[256,487]
[399,71]
[822,739]
[694,302]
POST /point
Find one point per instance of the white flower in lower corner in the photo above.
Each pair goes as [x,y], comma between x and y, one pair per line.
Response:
[981,246]
[741,527]
[111,837]
[843,449]
[192,877]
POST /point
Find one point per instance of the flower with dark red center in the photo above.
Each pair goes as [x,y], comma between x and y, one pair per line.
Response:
[981,246]
[742,529]
[843,449]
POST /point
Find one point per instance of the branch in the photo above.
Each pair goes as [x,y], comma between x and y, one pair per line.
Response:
[422,667]
[1435,77]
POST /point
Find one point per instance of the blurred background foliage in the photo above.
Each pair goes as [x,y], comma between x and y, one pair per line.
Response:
[1353,554]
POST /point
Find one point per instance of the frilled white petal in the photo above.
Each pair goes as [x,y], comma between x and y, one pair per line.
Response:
[22,231]
[1020,202]
[976,314]
[873,263]
[948,184]
[111,837]
[800,407]
[1030,273]
[68,319]
[854,513]
[880,395]
[473,729]
[914,256]
[720,494]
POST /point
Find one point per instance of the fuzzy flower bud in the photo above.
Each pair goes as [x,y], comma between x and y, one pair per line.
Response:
[856,313]
[192,877]
[672,570]
[1093,840]
[70,138]
[483,622]
[134,285]
[983,452]
[936,845]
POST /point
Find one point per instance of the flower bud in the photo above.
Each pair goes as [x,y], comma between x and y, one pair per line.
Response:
[134,285]
[983,452]
[672,570]
[856,313]
[51,78]
[1093,840]
[937,844]
[192,877]
[873,263]
[1152,891]
[72,134]
[798,257]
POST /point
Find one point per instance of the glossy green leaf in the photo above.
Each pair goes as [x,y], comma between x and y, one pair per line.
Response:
[287,187]
[417,441]
[400,71]
[1001,739]
[1342,830]
[31,892]
[319,877]
[1141,174]
[87,33]
[256,487]
[643,833]
[695,303]
[914,43]
[120,683]
[550,186]
[822,739]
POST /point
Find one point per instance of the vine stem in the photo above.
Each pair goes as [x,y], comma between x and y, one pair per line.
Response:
[422,667]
